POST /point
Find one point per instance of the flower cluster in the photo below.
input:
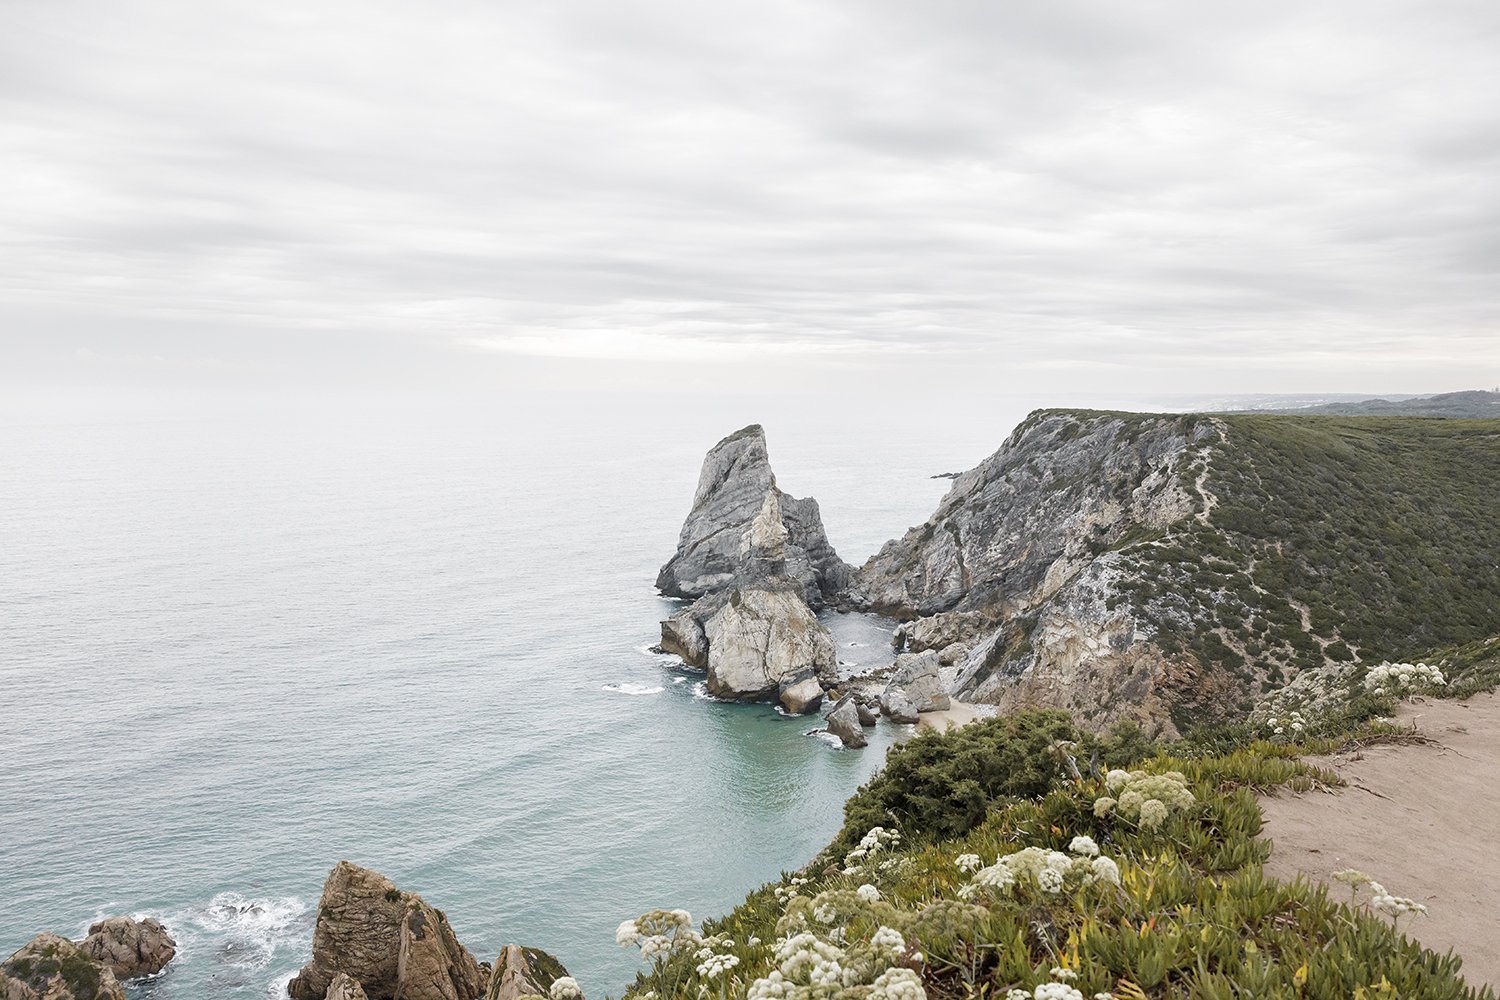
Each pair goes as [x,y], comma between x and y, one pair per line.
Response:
[786,893]
[1056,989]
[1293,721]
[1145,798]
[564,988]
[1403,678]
[807,966]
[1049,871]
[862,858]
[659,933]
[1381,901]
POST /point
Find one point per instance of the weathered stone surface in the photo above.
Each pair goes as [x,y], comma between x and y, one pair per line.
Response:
[897,706]
[1018,526]
[523,972]
[761,636]
[394,944]
[1018,565]
[919,677]
[844,723]
[742,529]
[868,711]
[683,634]
[801,696]
[131,948]
[346,987]
[50,967]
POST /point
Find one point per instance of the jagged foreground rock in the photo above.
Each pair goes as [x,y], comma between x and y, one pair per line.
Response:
[390,942]
[758,562]
[130,948]
[50,967]
[523,972]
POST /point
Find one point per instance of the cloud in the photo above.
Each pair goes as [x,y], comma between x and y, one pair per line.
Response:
[1062,188]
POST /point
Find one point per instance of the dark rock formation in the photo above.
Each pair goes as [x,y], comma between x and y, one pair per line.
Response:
[129,947]
[742,528]
[523,972]
[50,967]
[391,942]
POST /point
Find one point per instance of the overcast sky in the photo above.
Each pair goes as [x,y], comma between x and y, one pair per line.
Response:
[1279,195]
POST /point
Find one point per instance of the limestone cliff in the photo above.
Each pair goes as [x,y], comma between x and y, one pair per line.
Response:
[743,528]
[1170,568]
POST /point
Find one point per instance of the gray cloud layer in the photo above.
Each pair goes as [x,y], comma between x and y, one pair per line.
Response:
[1070,190]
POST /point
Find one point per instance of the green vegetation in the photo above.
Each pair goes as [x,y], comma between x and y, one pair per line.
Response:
[1332,539]
[912,908]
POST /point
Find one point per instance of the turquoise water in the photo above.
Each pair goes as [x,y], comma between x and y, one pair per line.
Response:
[236,649]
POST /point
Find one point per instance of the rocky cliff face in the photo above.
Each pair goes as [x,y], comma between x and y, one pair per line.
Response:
[390,942]
[1015,564]
[743,528]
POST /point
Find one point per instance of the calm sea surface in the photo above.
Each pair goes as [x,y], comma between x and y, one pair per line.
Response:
[234,651]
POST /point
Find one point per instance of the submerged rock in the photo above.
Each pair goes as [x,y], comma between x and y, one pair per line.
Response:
[844,723]
[131,948]
[391,942]
[918,676]
[742,528]
[764,635]
[50,967]
[523,972]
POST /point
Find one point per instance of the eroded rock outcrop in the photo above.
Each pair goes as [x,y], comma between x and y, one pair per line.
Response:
[521,972]
[743,528]
[131,948]
[762,638]
[50,967]
[391,942]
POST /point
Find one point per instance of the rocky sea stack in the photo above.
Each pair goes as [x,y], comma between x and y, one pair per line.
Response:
[757,563]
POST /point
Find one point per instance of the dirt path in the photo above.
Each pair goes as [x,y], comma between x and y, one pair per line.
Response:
[1422,820]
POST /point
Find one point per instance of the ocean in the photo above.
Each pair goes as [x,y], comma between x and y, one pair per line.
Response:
[237,647]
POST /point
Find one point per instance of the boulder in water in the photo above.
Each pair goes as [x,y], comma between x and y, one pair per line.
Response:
[391,942]
[801,695]
[919,677]
[131,948]
[763,635]
[844,723]
[897,706]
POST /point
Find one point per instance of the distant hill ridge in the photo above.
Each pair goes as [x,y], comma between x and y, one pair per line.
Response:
[1471,403]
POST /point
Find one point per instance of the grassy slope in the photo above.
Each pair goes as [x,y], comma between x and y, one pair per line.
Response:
[1331,538]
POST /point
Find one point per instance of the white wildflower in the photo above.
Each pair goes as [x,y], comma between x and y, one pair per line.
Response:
[1049,880]
[1017,995]
[1085,846]
[1105,870]
[713,965]
[565,988]
[898,984]
[1056,991]
[1064,974]
[967,862]
[627,934]
[868,893]
[1116,780]
[888,939]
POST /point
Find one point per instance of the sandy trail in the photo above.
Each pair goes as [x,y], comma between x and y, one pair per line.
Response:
[1422,820]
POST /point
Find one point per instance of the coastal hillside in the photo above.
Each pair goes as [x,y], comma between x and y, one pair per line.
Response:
[1172,568]
[1473,403]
